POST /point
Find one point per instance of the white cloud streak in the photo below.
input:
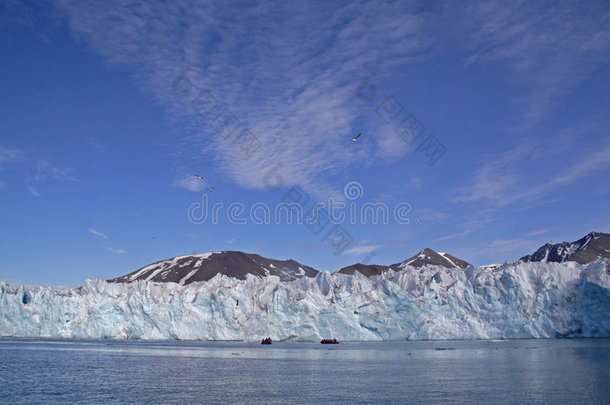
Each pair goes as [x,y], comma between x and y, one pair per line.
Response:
[511,177]
[594,162]
[361,250]
[189,182]
[34,192]
[46,169]
[96,233]
[510,245]
[538,232]
[9,155]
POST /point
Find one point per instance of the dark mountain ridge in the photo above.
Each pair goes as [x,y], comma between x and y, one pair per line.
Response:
[189,269]
[592,246]
[424,258]
[202,267]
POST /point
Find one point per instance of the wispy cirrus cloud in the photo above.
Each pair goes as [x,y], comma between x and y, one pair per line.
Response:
[594,162]
[512,176]
[511,245]
[47,169]
[503,249]
[34,192]
[549,47]
[479,220]
[538,232]
[189,182]
[106,237]
[96,233]
[95,143]
[547,50]
[467,228]
[537,204]
[9,155]
[296,96]
[32,168]
[361,250]
[500,177]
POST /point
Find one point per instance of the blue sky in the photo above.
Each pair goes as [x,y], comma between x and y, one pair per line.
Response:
[106,118]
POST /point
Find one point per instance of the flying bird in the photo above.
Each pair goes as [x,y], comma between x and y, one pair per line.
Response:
[198,177]
[354,139]
[209,190]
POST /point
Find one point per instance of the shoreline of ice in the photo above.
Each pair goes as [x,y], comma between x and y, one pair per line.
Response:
[515,301]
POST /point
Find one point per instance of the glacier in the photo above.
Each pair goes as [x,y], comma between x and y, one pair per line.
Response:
[514,300]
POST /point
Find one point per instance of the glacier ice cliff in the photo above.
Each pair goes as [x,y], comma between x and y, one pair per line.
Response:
[516,300]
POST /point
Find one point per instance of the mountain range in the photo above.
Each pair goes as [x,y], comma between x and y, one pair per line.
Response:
[202,267]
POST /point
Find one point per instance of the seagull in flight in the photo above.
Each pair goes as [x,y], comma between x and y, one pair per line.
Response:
[199,177]
[209,190]
[354,139]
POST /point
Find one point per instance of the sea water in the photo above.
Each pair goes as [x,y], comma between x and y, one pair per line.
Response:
[507,372]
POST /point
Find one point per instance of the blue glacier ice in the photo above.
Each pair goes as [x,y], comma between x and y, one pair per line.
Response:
[515,300]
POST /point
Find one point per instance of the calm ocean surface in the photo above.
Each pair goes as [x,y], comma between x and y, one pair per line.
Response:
[508,372]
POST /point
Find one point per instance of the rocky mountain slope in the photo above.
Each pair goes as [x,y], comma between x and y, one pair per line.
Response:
[367,270]
[202,267]
[586,249]
[431,257]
